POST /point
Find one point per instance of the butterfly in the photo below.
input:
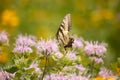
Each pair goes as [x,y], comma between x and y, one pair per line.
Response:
[62,35]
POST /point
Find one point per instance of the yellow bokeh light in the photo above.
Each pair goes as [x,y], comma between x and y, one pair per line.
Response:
[118,71]
[3,57]
[111,78]
[10,18]
[44,32]
[99,78]
[101,14]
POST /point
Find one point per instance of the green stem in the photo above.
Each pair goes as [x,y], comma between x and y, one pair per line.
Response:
[44,71]
[92,69]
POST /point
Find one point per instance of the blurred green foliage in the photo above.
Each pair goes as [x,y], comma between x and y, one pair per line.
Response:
[91,19]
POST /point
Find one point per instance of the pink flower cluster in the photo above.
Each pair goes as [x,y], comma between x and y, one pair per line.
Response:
[78,43]
[95,51]
[71,55]
[24,43]
[80,67]
[5,75]
[25,40]
[49,46]
[65,77]
[95,48]
[106,73]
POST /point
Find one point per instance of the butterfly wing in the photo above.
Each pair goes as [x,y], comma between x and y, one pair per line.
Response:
[63,31]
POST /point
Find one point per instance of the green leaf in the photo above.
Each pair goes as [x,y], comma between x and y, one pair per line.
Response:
[12,69]
[29,70]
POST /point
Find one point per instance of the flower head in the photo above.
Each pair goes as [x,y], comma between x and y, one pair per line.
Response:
[22,49]
[78,43]
[80,67]
[49,46]
[105,73]
[4,37]
[76,77]
[71,55]
[24,43]
[95,48]
[5,75]
[55,77]
[65,77]
[96,59]
[25,40]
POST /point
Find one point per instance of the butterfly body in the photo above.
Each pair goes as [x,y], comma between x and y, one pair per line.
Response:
[63,32]
[71,40]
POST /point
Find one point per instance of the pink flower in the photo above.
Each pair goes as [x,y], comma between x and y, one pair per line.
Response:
[100,48]
[49,46]
[25,40]
[80,67]
[65,77]
[95,48]
[78,43]
[97,60]
[55,77]
[24,43]
[71,55]
[76,77]
[106,73]
[35,66]
[22,49]
[4,37]
[52,46]
[5,75]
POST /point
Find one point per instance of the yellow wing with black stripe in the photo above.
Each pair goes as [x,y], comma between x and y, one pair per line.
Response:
[63,31]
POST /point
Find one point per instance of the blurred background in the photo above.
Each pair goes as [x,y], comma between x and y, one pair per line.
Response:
[96,20]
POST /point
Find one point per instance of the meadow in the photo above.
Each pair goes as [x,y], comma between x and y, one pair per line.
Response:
[29,49]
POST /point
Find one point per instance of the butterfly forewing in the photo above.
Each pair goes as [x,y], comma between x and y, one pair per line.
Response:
[63,31]
[66,23]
